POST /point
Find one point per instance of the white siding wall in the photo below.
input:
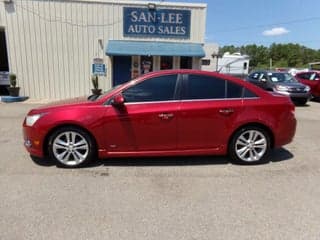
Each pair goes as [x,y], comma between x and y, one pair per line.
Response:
[51,44]
[210,48]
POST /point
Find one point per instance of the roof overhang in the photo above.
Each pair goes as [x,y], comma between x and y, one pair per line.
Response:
[134,48]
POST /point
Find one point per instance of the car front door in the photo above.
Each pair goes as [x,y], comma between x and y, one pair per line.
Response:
[206,114]
[148,119]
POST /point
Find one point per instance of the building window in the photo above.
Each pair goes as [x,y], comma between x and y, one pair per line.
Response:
[245,66]
[166,62]
[186,62]
[205,62]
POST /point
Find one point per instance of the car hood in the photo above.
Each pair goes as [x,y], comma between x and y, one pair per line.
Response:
[73,102]
[291,84]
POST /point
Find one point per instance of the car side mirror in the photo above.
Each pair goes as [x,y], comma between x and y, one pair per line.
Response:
[263,80]
[118,100]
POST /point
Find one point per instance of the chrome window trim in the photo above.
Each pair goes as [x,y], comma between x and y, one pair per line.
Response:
[217,99]
[191,100]
[152,102]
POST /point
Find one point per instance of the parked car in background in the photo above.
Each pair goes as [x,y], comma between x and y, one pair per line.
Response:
[164,113]
[312,79]
[281,82]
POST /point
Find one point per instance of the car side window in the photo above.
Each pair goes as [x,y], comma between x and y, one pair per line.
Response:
[248,94]
[254,76]
[304,76]
[234,90]
[263,76]
[160,88]
[313,77]
[204,87]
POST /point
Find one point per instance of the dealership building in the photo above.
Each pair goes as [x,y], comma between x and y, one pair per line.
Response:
[54,46]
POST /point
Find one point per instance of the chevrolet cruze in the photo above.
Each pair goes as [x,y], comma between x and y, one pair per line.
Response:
[164,113]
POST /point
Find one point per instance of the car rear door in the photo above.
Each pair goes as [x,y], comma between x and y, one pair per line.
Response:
[206,116]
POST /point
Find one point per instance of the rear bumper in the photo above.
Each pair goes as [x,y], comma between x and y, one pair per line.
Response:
[286,132]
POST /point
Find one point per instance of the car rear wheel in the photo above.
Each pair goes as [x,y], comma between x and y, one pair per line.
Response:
[249,145]
[71,147]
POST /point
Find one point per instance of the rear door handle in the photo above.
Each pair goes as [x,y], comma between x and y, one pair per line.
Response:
[226,111]
[166,116]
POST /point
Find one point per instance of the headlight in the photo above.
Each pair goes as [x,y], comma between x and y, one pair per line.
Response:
[281,88]
[307,89]
[31,119]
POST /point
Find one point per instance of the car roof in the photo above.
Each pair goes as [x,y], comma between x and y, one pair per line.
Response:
[310,71]
[143,77]
[268,71]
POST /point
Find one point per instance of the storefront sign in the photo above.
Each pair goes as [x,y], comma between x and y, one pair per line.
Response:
[168,23]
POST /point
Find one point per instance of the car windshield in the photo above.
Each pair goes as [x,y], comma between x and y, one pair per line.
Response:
[282,77]
[95,97]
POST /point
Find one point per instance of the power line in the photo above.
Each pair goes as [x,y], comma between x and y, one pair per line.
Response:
[59,19]
[269,24]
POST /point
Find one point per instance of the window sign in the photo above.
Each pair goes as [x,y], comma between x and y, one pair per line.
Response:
[167,23]
[99,69]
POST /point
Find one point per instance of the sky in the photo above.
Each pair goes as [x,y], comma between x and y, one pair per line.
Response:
[262,22]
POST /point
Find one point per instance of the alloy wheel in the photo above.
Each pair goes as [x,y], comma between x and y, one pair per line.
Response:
[251,146]
[70,148]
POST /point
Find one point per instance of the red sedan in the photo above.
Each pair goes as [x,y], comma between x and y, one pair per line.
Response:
[312,79]
[164,113]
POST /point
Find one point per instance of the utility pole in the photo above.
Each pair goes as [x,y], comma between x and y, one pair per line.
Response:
[216,55]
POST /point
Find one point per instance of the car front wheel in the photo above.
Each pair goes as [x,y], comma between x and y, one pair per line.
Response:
[249,145]
[71,147]
[302,101]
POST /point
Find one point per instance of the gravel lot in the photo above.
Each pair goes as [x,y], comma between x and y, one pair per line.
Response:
[161,198]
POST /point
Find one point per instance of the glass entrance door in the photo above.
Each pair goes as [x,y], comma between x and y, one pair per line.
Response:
[166,62]
[121,69]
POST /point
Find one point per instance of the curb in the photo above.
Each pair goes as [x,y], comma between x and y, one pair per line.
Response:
[10,99]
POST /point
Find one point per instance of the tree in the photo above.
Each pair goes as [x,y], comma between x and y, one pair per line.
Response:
[282,55]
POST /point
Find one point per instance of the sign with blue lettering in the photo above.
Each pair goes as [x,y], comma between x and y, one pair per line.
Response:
[99,69]
[167,23]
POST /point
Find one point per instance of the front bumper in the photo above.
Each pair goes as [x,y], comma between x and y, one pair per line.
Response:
[296,95]
[33,141]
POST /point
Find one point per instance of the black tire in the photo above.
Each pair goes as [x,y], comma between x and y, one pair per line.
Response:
[315,98]
[301,101]
[249,149]
[71,147]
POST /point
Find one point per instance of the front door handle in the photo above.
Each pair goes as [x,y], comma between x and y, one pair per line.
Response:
[166,116]
[226,111]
